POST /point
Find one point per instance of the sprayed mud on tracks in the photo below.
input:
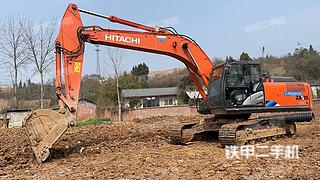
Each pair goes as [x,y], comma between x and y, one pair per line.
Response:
[140,150]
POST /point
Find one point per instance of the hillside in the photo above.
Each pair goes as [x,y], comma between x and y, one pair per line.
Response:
[167,78]
[153,74]
[303,64]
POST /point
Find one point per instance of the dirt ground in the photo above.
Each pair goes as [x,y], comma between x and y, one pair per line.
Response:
[141,150]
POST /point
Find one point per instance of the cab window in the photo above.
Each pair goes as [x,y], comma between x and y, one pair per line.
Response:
[215,84]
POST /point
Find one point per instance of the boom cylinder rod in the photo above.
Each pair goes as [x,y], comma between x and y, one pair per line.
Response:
[202,76]
[93,13]
[121,21]
[58,68]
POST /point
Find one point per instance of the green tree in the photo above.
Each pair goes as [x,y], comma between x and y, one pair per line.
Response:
[312,51]
[105,93]
[134,102]
[185,84]
[245,57]
[89,83]
[129,81]
[229,58]
[20,85]
[140,69]
[301,52]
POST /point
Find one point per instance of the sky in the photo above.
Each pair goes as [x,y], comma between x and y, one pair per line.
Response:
[221,27]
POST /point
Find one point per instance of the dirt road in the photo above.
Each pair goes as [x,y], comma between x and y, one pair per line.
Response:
[140,150]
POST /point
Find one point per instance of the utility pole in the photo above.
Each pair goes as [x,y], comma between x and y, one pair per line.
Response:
[98,61]
[263,51]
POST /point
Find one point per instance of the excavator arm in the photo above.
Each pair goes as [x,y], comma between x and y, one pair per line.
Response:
[73,35]
[44,127]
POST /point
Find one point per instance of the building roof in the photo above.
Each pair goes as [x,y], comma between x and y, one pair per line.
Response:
[147,92]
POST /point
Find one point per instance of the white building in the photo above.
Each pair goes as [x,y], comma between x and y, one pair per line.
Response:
[315,91]
[150,97]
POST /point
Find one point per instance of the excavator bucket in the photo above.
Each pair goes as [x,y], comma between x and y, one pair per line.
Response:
[43,128]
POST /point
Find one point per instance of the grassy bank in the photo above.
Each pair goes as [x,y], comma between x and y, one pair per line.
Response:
[92,121]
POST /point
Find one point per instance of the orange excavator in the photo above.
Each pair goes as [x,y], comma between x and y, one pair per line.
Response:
[232,91]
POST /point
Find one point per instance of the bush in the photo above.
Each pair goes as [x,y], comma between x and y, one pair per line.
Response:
[92,121]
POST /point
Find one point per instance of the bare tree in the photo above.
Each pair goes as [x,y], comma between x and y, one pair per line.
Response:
[116,55]
[40,47]
[13,49]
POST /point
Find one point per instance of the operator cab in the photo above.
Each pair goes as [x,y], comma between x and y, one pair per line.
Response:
[236,84]
[243,85]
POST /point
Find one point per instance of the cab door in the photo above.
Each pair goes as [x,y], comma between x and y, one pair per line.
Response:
[243,85]
[215,90]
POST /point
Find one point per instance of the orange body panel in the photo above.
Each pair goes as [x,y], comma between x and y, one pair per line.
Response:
[288,93]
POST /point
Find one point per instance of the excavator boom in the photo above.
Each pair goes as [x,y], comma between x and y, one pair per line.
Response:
[73,35]
[70,45]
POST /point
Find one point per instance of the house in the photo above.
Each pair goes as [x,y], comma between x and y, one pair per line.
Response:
[16,117]
[150,97]
[315,89]
[87,109]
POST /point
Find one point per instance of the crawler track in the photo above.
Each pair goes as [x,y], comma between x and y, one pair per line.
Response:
[250,132]
[235,132]
[182,133]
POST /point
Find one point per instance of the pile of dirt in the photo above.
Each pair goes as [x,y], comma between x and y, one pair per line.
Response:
[141,150]
[15,151]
